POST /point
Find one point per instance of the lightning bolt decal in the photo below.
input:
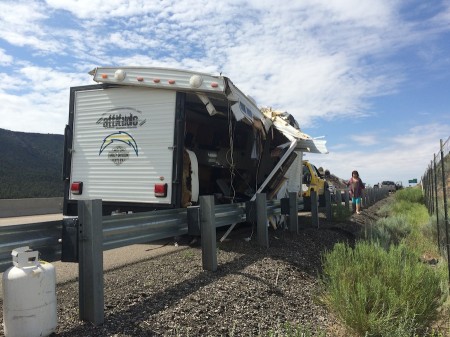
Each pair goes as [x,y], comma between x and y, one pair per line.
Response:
[120,136]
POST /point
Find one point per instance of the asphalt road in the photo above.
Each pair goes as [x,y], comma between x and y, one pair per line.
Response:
[30,219]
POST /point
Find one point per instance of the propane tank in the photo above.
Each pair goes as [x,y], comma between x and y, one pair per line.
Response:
[29,296]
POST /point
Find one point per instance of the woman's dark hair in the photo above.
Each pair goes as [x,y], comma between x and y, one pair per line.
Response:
[355,172]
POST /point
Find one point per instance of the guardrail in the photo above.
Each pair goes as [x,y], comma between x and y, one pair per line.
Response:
[130,229]
[84,239]
[43,236]
[95,233]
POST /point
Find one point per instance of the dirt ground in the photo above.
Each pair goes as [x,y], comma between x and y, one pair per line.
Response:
[255,290]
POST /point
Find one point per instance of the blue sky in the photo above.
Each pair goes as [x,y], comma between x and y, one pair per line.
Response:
[373,77]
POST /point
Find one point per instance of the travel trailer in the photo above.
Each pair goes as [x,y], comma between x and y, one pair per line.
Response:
[151,138]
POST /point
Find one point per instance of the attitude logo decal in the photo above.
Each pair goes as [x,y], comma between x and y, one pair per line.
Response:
[122,118]
[118,153]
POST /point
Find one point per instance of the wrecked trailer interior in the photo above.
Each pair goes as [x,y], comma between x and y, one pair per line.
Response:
[234,157]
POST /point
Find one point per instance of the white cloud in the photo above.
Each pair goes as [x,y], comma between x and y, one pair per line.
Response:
[398,158]
[365,140]
[42,102]
[317,59]
[5,59]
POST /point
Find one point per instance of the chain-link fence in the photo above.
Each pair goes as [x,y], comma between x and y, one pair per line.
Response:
[436,187]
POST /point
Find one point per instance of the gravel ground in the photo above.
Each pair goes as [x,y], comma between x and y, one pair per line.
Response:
[253,292]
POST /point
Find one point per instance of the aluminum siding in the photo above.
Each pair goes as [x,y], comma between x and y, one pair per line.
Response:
[146,147]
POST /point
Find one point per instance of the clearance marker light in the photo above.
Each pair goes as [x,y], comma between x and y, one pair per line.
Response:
[104,76]
[214,84]
[171,81]
[161,190]
[119,75]
[156,80]
[140,79]
[196,81]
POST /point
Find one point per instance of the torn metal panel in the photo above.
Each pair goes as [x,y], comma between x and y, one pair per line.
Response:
[245,107]
[288,126]
[279,167]
[208,104]
[312,145]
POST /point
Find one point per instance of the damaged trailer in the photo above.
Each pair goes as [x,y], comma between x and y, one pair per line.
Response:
[152,138]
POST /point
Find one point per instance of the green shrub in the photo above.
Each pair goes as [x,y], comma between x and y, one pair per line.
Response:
[417,214]
[379,292]
[384,210]
[388,231]
[340,213]
[413,195]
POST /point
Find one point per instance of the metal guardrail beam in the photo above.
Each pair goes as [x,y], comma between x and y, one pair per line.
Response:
[43,237]
[228,214]
[118,230]
[130,229]
[273,207]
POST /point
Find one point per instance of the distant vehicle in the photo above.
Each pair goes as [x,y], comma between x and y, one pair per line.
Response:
[390,185]
[312,180]
[398,185]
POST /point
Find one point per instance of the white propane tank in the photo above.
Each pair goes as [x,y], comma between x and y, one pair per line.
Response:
[29,296]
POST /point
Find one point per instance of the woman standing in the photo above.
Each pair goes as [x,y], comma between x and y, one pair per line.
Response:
[356,187]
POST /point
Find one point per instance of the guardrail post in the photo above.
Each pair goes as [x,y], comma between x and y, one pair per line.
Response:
[328,211]
[293,212]
[314,210]
[90,267]
[347,199]
[338,197]
[193,220]
[262,232]
[208,231]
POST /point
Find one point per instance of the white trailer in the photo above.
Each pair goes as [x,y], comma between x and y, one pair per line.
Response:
[153,138]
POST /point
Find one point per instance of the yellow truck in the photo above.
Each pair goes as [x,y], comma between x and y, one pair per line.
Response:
[312,180]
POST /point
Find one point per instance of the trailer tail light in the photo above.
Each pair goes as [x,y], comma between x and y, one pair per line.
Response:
[161,190]
[76,187]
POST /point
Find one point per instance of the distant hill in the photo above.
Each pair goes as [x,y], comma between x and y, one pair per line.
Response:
[30,165]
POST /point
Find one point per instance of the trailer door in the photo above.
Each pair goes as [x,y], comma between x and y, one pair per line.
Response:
[123,145]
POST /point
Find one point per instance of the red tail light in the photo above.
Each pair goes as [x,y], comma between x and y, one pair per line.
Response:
[76,187]
[161,190]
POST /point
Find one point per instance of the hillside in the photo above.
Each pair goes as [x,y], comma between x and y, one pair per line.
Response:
[31,165]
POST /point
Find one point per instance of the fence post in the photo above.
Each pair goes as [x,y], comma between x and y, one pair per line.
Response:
[436,208]
[293,213]
[262,232]
[90,267]
[328,210]
[314,210]
[208,233]
[444,189]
